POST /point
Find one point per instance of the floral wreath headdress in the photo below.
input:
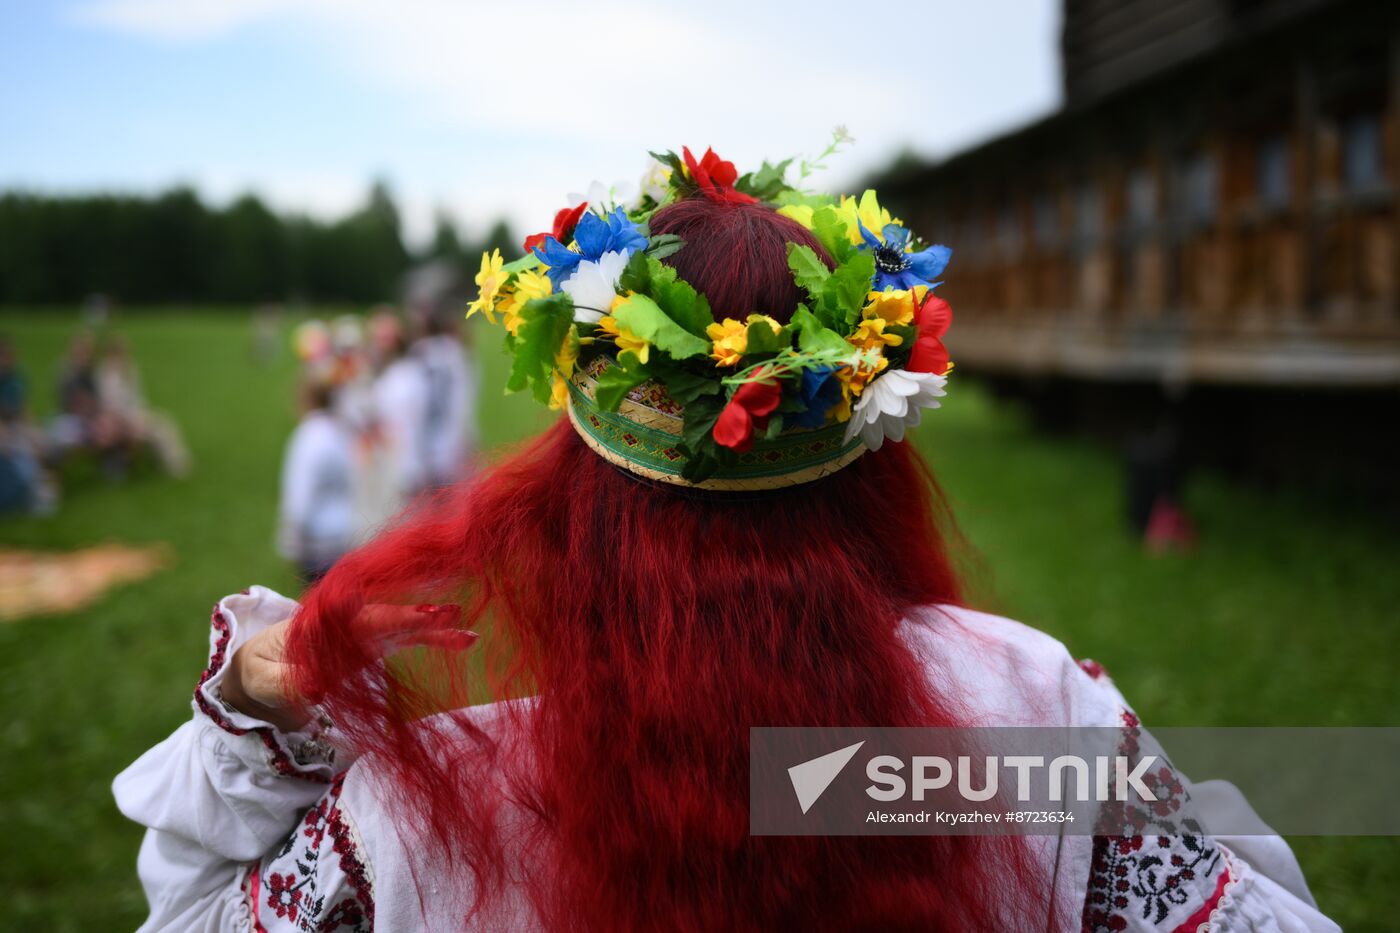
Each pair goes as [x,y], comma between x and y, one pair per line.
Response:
[652,382]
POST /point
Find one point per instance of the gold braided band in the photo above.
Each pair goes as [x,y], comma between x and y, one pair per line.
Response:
[643,437]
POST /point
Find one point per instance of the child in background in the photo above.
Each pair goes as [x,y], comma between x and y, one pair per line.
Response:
[316,516]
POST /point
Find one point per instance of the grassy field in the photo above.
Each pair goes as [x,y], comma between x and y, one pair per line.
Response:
[1285,614]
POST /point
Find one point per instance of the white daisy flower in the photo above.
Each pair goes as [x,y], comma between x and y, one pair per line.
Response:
[655,182]
[892,403]
[593,286]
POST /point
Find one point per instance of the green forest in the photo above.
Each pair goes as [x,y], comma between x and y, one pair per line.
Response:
[174,247]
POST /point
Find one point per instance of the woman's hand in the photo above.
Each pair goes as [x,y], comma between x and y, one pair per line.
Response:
[256,681]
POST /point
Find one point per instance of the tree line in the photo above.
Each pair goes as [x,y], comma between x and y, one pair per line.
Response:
[174,248]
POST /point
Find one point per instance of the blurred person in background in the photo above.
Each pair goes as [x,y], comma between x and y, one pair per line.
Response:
[82,425]
[24,483]
[352,373]
[77,391]
[14,389]
[121,399]
[640,625]
[449,433]
[316,513]
[352,377]
[311,342]
[401,406]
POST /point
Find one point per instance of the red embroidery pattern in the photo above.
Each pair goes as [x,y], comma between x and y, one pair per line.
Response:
[291,884]
[281,761]
[1138,879]
[1093,668]
[362,909]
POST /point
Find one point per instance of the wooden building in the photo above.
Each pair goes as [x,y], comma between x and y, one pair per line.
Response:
[1213,207]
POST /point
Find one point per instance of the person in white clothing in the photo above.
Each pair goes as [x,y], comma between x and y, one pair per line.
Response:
[401,407]
[258,822]
[316,513]
[449,432]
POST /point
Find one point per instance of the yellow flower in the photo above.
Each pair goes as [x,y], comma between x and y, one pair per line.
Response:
[564,359]
[567,355]
[868,211]
[870,335]
[529,285]
[731,338]
[559,391]
[489,282]
[854,379]
[895,306]
[626,340]
[798,212]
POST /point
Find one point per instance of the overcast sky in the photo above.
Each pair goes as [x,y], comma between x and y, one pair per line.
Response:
[493,109]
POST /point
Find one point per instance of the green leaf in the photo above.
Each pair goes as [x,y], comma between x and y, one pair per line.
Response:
[545,324]
[685,387]
[682,303]
[700,418]
[636,275]
[528,261]
[908,332]
[808,271]
[844,293]
[703,453]
[814,201]
[763,339]
[813,336]
[700,467]
[663,245]
[670,160]
[616,381]
[679,182]
[648,276]
[644,317]
[766,183]
[830,231]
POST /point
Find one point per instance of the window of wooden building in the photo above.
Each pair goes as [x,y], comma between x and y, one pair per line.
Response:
[1273,174]
[1142,199]
[1199,186]
[1362,164]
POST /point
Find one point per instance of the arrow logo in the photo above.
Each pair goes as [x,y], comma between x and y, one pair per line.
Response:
[811,778]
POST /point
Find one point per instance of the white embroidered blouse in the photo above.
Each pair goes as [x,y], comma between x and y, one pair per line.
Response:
[251,829]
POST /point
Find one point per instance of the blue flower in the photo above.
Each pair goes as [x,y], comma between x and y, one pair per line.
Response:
[593,236]
[820,390]
[895,268]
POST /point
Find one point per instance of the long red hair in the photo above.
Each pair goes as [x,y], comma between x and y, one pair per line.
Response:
[655,626]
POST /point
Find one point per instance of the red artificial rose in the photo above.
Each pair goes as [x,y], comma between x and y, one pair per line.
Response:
[929,354]
[746,412]
[715,177]
[564,223]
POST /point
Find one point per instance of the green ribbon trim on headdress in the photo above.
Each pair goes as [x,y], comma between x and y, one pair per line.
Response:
[636,438]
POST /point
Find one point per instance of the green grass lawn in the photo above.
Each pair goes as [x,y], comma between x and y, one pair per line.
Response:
[1285,614]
